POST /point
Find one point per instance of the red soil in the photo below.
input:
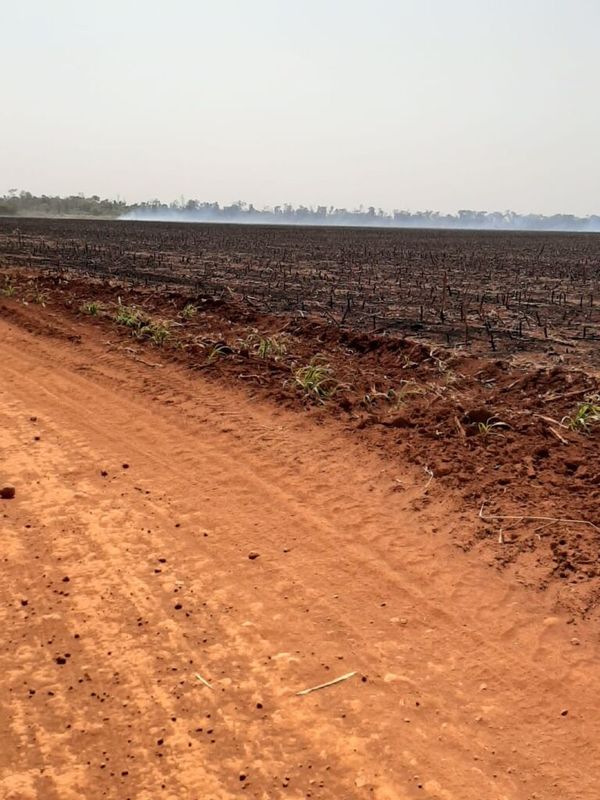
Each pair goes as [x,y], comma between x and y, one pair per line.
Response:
[122,583]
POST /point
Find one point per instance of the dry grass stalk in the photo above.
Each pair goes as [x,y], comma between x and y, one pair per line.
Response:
[325,685]
[202,680]
[530,518]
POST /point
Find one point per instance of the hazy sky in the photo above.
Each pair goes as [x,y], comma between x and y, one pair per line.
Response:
[417,104]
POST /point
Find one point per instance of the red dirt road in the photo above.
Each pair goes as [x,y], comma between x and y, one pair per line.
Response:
[120,585]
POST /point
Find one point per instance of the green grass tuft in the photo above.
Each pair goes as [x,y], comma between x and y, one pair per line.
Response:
[141,325]
[585,416]
[91,307]
[316,380]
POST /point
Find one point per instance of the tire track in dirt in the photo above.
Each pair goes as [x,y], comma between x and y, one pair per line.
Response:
[485,661]
[139,607]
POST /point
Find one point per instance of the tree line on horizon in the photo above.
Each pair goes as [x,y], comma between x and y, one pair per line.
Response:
[26,204]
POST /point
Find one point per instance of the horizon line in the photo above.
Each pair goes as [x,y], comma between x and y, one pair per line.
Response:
[24,203]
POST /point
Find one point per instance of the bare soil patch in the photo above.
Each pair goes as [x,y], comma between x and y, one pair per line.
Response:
[499,433]
[195,540]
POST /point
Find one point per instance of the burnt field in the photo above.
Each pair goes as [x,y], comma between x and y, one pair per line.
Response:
[486,291]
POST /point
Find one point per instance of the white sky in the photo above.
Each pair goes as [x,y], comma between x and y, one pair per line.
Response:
[418,104]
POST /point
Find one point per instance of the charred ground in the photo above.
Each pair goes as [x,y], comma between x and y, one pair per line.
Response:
[490,291]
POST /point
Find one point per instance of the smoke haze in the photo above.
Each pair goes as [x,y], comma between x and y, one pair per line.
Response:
[192,211]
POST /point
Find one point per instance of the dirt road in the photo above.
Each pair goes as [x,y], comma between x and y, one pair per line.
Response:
[126,573]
